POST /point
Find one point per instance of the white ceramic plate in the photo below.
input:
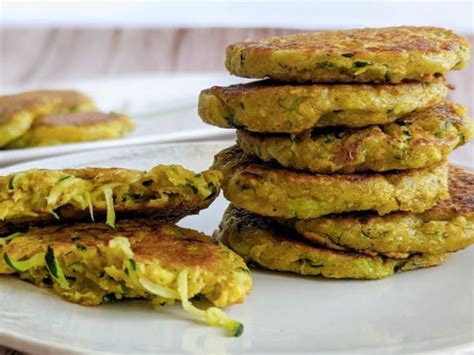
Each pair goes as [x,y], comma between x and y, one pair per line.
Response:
[419,311]
[163,106]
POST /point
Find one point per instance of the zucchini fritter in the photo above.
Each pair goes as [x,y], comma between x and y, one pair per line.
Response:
[447,227]
[74,127]
[92,264]
[260,241]
[270,107]
[19,111]
[417,140]
[73,194]
[278,192]
[383,55]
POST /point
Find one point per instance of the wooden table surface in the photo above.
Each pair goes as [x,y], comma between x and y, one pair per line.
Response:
[38,56]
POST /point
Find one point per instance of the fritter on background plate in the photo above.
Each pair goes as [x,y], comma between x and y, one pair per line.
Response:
[74,127]
[19,111]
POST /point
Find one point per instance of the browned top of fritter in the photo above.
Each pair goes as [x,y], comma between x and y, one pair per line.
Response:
[393,39]
[167,244]
[77,119]
[31,100]
[268,86]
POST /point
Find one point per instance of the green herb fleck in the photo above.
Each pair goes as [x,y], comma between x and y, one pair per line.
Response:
[238,330]
[330,138]
[323,65]
[399,267]
[360,64]
[213,189]
[51,262]
[81,247]
[193,188]
[133,264]
[295,104]
[109,297]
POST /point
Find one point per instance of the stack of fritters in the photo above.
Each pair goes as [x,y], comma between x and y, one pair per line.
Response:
[49,117]
[58,229]
[340,167]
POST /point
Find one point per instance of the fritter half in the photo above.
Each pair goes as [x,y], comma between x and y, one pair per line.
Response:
[19,111]
[383,55]
[73,194]
[273,191]
[260,241]
[447,227]
[417,140]
[92,264]
[271,107]
[74,127]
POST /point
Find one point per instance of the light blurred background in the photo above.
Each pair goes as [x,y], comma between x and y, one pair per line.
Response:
[45,41]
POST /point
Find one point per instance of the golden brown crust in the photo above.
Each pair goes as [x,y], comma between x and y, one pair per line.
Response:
[271,107]
[261,241]
[418,140]
[100,267]
[273,191]
[389,54]
[447,227]
[461,196]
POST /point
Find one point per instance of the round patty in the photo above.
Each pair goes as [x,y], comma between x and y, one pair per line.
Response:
[417,140]
[277,192]
[383,55]
[19,111]
[97,271]
[447,227]
[260,241]
[266,106]
[74,127]
[165,191]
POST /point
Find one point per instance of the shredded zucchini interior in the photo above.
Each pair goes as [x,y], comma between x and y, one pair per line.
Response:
[28,193]
[213,315]
[109,199]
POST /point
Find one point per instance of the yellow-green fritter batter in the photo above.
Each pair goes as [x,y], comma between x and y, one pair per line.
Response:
[74,127]
[271,107]
[92,264]
[273,191]
[48,195]
[383,55]
[19,111]
[417,140]
[260,241]
[447,227]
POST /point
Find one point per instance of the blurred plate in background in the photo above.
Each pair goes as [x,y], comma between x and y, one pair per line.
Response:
[164,107]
